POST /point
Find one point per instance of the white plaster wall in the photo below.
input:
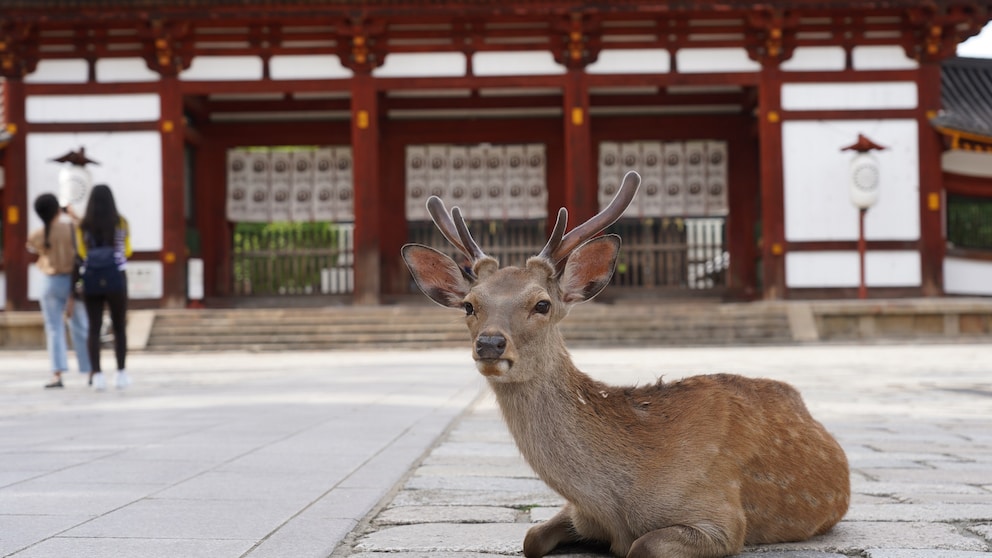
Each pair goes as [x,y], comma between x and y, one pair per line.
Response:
[816,177]
[422,64]
[3,290]
[515,64]
[124,70]
[709,60]
[967,277]
[967,163]
[881,57]
[634,61]
[849,96]
[59,71]
[815,59]
[130,163]
[142,107]
[223,68]
[842,269]
[308,67]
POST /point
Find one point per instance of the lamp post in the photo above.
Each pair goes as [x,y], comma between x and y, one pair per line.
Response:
[864,179]
[75,179]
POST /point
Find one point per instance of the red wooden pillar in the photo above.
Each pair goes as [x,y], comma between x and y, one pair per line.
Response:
[580,190]
[772,183]
[173,193]
[15,208]
[365,154]
[932,244]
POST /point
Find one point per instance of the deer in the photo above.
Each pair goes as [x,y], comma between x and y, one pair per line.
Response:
[694,468]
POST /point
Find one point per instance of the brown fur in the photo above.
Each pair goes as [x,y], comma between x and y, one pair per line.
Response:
[691,469]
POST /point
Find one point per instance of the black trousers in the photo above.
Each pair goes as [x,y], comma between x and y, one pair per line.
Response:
[117,302]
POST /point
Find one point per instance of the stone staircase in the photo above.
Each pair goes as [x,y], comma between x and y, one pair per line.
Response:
[423,327]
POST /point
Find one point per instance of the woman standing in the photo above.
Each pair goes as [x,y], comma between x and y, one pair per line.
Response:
[104,243]
[56,249]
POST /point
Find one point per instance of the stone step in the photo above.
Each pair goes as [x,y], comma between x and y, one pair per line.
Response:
[592,325]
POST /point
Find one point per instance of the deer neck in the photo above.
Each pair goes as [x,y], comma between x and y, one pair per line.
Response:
[556,419]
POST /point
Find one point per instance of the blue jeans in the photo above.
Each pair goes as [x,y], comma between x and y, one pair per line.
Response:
[55,295]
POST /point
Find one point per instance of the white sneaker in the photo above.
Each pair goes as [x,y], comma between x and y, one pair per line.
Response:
[99,382]
[123,380]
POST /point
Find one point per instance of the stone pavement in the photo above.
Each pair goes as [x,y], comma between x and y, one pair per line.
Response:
[290,454]
[916,422]
[215,455]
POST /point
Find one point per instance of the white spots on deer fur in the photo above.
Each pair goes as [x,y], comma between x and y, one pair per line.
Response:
[581,400]
[604,394]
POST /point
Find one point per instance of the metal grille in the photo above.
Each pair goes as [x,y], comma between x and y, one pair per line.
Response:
[510,242]
[656,253]
[293,259]
[665,253]
[969,222]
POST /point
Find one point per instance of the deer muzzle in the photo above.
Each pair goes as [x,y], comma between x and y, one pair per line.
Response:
[490,347]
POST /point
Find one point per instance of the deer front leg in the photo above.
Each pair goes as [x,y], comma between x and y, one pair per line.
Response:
[681,541]
[543,538]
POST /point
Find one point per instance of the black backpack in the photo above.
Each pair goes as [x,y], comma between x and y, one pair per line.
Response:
[100,275]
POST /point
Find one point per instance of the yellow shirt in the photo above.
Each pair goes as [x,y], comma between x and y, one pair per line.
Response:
[122,242]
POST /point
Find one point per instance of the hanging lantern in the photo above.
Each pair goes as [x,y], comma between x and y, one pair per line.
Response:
[864,172]
[75,179]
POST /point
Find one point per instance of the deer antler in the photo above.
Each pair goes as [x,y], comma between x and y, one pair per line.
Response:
[453,228]
[558,248]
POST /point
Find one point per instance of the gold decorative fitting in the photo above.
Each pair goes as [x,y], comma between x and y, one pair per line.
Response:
[13,215]
[933,201]
[362,119]
[773,116]
[169,257]
[578,116]
[167,126]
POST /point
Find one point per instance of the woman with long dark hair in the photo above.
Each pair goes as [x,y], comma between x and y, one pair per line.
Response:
[104,243]
[56,249]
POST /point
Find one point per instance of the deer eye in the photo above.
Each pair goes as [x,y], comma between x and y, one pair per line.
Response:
[469,309]
[542,307]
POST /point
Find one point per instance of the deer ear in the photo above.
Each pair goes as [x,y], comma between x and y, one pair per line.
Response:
[589,268]
[437,275]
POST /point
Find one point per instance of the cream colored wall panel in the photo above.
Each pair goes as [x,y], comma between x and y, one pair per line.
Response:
[967,163]
[815,59]
[59,71]
[418,64]
[515,64]
[816,177]
[869,57]
[223,68]
[124,70]
[849,96]
[141,107]
[632,61]
[967,277]
[710,60]
[307,67]
[831,269]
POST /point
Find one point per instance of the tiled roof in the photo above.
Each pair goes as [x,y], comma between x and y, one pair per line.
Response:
[966,94]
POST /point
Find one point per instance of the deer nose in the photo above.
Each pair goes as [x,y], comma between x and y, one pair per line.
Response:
[490,346]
